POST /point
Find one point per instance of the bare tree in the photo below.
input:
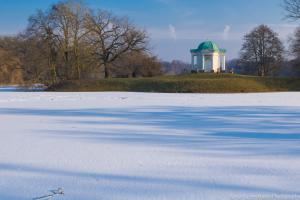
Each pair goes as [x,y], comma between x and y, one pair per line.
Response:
[292,8]
[10,69]
[263,48]
[292,12]
[62,29]
[136,64]
[63,23]
[69,18]
[79,14]
[295,50]
[69,41]
[41,27]
[295,43]
[111,37]
[32,56]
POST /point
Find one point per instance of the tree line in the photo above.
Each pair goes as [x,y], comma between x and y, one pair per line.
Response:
[263,53]
[70,41]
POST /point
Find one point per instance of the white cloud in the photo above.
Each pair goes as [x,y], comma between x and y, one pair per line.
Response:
[172,32]
[195,32]
[226,32]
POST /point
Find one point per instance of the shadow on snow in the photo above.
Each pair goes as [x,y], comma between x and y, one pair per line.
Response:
[247,130]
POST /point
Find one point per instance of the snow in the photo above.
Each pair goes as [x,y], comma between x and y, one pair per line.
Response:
[142,146]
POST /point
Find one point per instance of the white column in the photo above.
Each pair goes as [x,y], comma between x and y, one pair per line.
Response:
[224,63]
[220,62]
[212,62]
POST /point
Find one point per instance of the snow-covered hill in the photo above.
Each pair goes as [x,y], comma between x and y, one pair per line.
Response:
[139,146]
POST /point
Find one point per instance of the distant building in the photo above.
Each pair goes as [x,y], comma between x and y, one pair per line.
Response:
[208,57]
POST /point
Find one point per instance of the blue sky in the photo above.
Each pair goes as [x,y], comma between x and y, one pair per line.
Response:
[175,26]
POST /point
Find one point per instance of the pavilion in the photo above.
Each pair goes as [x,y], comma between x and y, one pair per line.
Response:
[208,57]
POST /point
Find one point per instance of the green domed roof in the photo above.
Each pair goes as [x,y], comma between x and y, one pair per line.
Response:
[209,46]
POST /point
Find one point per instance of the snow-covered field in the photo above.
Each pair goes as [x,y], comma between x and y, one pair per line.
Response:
[136,146]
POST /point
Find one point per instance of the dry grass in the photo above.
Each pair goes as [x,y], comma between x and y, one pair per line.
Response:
[193,83]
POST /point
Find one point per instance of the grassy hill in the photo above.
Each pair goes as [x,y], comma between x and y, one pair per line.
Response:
[192,83]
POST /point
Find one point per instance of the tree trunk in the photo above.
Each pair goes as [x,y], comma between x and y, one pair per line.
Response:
[263,73]
[77,59]
[106,71]
[78,71]
[78,66]
[66,59]
[54,73]
[52,67]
